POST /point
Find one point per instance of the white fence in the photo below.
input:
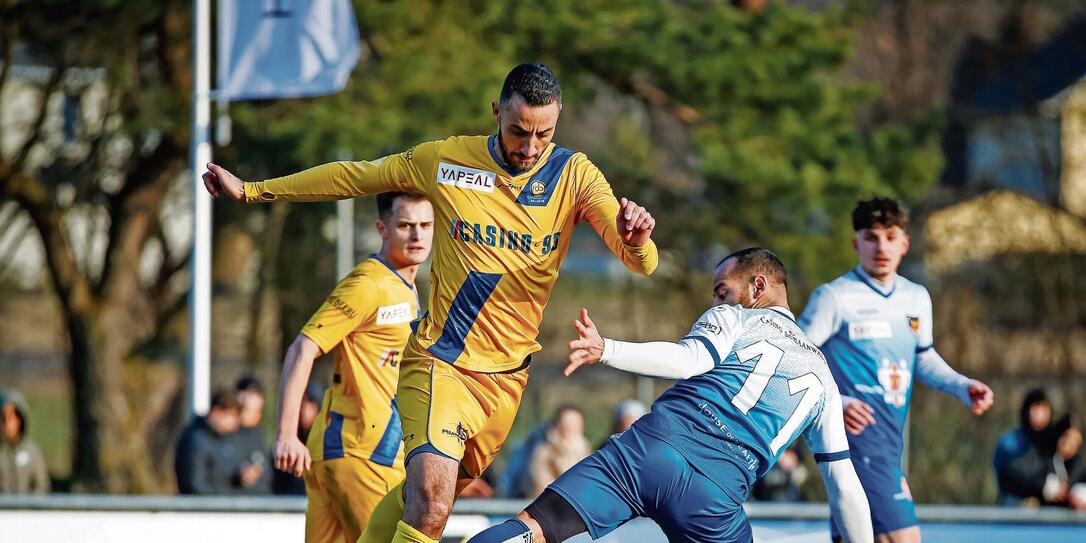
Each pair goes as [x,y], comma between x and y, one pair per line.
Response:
[187,519]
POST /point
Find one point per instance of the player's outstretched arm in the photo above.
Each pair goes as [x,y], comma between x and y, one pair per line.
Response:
[289,453]
[587,349]
[219,181]
[664,359]
[409,171]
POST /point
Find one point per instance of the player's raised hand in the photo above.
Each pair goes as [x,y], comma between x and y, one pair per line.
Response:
[218,181]
[588,347]
[858,415]
[980,397]
[635,224]
[291,455]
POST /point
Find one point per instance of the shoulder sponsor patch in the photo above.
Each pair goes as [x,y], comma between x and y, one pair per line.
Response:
[465,178]
[395,314]
[343,307]
[708,327]
[870,330]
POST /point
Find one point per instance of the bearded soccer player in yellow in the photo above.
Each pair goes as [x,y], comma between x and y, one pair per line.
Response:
[505,207]
[354,454]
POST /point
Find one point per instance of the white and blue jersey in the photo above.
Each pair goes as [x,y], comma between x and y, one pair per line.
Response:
[688,463]
[871,334]
[876,337]
[769,385]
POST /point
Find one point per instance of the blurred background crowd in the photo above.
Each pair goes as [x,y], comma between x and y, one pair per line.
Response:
[1041,462]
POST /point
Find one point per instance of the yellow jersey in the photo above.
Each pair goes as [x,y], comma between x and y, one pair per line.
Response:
[500,236]
[365,324]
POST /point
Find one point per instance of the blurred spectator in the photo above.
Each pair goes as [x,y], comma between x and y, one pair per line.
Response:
[206,462]
[626,412]
[514,481]
[286,483]
[783,481]
[1023,456]
[563,446]
[22,466]
[248,441]
[1065,483]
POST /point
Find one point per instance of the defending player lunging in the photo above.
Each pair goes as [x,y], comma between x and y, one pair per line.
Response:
[751,384]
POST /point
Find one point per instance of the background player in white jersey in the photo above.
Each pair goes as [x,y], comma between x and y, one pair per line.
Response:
[875,328]
[751,384]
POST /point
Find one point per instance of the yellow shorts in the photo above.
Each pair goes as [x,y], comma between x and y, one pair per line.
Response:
[342,493]
[461,414]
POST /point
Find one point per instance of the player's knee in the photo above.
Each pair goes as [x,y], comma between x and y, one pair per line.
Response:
[557,519]
[427,508]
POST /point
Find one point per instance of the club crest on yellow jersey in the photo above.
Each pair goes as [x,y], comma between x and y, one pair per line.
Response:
[538,188]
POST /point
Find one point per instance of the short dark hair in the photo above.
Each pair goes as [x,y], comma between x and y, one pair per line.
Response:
[387,200]
[534,82]
[882,211]
[224,399]
[249,382]
[754,261]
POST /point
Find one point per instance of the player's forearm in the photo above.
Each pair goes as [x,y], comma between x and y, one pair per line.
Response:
[934,372]
[297,366]
[642,259]
[664,359]
[847,499]
[332,181]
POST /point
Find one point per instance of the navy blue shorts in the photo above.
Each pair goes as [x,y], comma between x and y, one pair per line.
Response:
[892,506]
[637,475]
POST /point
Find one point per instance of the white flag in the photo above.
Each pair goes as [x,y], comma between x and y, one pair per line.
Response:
[285,48]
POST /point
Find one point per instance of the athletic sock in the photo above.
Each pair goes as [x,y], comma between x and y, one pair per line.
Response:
[405,533]
[510,531]
[382,525]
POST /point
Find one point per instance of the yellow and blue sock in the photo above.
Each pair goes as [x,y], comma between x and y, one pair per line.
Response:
[382,525]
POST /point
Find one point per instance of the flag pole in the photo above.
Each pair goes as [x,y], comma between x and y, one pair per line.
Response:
[200,263]
[344,230]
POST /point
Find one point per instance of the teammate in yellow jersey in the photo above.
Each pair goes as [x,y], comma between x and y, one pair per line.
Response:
[354,455]
[505,208]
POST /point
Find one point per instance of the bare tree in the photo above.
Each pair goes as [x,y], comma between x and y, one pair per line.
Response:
[96,152]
